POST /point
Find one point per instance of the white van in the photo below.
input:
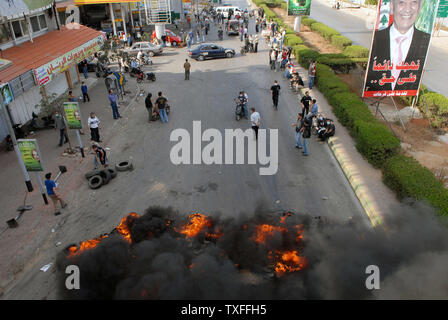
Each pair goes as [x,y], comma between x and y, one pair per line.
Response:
[225,10]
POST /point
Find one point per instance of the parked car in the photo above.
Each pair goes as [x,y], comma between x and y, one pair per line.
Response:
[233,27]
[171,37]
[146,47]
[210,51]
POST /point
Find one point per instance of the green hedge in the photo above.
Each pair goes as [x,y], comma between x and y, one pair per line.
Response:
[290,31]
[259,2]
[292,40]
[307,22]
[304,55]
[408,178]
[356,52]
[340,42]
[268,13]
[325,31]
[375,141]
[349,108]
[327,82]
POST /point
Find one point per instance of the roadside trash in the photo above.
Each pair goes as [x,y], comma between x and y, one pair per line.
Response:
[324,198]
[46,267]
[58,244]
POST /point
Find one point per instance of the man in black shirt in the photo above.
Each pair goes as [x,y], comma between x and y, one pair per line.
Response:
[275,92]
[148,105]
[161,105]
[329,130]
[305,104]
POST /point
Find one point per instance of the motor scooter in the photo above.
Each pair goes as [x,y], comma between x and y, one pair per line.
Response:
[239,110]
[146,76]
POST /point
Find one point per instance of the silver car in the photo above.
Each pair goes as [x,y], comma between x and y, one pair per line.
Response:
[145,47]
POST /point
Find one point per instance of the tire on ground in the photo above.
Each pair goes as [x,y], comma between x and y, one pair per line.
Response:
[92,173]
[95,182]
[113,172]
[105,174]
[123,166]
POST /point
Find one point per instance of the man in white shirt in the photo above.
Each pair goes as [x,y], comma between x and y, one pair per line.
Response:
[139,57]
[400,45]
[255,121]
[93,123]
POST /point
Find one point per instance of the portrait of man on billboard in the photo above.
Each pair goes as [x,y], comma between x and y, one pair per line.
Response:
[398,53]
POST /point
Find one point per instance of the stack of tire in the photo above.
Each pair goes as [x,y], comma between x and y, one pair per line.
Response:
[98,178]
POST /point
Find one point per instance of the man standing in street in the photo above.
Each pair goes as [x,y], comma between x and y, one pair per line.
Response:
[255,121]
[306,134]
[311,74]
[275,93]
[187,67]
[256,43]
[93,123]
[148,105]
[299,126]
[51,191]
[113,98]
[305,104]
[85,95]
[60,125]
[161,105]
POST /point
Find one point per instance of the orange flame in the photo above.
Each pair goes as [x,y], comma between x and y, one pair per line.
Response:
[123,228]
[290,262]
[85,245]
[265,231]
[196,224]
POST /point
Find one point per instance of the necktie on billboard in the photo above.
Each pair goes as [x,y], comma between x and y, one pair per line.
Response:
[395,72]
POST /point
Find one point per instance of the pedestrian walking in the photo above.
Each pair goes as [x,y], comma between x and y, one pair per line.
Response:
[256,43]
[85,69]
[113,98]
[187,67]
[93,124]
[311,74]
[298,126]
[241,33]
[161,105]
[306,134]
[306,99]
[275,93]
[273,58]
[51,187]
[255,121]
[85,95]
[60,125]
[148,105]
[278,62]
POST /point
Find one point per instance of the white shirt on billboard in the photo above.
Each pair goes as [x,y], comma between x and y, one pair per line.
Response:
[405,45]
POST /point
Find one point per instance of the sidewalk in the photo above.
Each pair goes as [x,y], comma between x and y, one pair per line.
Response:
[21,244]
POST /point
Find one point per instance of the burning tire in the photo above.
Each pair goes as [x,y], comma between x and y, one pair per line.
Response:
[124,166]
[105,174]
[113,172]
[95,182]
[92,173]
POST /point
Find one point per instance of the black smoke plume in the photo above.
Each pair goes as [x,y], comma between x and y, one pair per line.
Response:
[411,251]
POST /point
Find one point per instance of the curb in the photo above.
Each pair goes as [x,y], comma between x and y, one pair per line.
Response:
[357,186]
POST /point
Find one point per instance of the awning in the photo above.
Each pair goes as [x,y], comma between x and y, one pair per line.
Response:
[55,50]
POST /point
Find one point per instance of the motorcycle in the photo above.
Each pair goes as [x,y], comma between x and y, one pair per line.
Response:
[239,110]
[150,76]
[156,115]
[146,60]
[43,123]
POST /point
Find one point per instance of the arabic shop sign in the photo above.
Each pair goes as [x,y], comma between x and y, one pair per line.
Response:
[45,73]
[443,9]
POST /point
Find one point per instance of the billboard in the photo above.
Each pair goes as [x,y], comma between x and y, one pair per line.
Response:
[399,47]
[6,91]
[45,73]
[299,7]
[443,9]
[29,150]
[73,115]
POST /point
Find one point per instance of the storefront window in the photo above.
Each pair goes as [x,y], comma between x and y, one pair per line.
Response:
[24,27]
[5,33]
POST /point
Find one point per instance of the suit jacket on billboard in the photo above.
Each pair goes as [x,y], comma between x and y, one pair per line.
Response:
[381,51]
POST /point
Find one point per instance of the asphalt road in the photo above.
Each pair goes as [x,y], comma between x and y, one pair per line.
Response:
[357,30]
[314,185]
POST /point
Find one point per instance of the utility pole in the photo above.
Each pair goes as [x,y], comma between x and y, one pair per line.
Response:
[29,186]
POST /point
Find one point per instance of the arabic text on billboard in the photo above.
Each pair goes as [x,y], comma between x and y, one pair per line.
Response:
[299,7]
[73,115]
[399,47]
[45,73]
[29,150]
